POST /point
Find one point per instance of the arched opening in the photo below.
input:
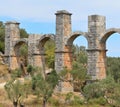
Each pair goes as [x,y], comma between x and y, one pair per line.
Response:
[79,61]
[113,56]
[79,47]
[20,60]
[50,54]
[47,52]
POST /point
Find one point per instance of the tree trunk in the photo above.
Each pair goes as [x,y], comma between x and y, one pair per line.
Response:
[44,102]
[15,104]
[22,105]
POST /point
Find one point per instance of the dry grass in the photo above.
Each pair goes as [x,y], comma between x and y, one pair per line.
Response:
[4,73]
[31,100]
[4,101]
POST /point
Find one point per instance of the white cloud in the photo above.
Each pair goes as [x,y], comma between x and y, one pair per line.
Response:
[43,10]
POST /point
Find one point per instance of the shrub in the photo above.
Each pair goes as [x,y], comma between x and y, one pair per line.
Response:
[77,101]
[54,102]
[93,90]
[101,101]
[16,73]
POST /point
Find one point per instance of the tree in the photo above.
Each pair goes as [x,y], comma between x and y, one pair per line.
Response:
[24,53]
[44,87]
[23,33]
[50,53]
[107,88]
[18,90]
[79,71]
[113,68]
[14,91]
[2,37]
[32,70]
[79,74]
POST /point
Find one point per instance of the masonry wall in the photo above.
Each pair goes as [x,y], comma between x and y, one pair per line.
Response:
[63,30]
[34,57]
[63,54]
[11,34]
[96,54]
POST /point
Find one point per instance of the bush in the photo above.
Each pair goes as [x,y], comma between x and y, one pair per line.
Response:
[32,70]
[77,101]
[16,73]
[54,102]
[101,101]
[93,90]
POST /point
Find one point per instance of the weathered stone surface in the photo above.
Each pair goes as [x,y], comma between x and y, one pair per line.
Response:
[96,37]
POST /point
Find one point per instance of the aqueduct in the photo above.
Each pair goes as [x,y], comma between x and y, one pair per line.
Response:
[96,37]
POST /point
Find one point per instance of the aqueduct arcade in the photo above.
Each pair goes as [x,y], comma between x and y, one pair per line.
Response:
[96,37]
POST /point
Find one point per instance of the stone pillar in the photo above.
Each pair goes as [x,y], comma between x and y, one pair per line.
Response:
[35,54]
[63,53]
[12,34]
[96,53]
[63,30]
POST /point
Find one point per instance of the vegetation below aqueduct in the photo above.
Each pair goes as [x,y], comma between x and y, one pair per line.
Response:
[36,90]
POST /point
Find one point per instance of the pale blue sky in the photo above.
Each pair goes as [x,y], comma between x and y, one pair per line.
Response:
[37,16]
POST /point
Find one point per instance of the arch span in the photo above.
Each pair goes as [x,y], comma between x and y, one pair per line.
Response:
[108,33]
[45,38]
[74,35]
[20,42]
[16,52]
[41,48]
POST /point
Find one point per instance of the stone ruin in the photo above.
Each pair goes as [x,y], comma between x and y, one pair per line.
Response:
[96,37]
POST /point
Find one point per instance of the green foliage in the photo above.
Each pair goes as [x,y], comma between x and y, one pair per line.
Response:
[108,89]
[80,54]
[79,71]
[113,68]
[24,50]
[14,91]
[54,102]
[111,90]
[73,100]
[32,70]
[23,33]
[101,101]
[50,54]
[16,73]
[77,101]
[93,90]
[63,73]
[69,96]
[24,53]
[2,37]
[52,78]
[45,87]
[17,91]
[2,46]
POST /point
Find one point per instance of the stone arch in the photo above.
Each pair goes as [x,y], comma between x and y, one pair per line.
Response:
[20,41]
[68,54]
[69,57]
[102,51]
[106,35]
[16,46]
[45,38]
[40,46]
[74,35]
